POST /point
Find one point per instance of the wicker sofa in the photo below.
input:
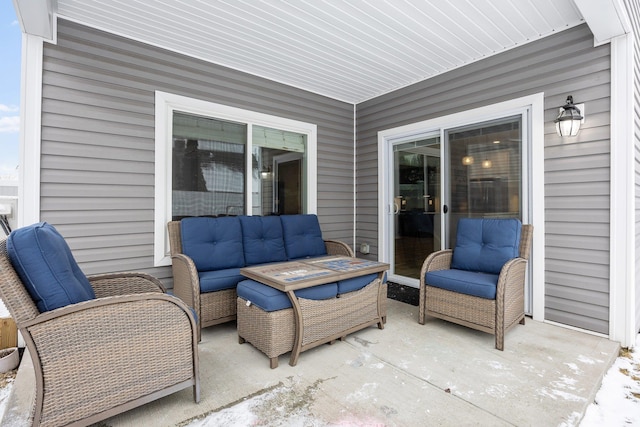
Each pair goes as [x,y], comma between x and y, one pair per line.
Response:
[207,254]
[480,283]
[99,344]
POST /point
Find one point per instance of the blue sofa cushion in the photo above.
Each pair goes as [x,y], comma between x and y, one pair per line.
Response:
[302,236]
[271,299]
[486,244]
[44,262]
[217,280]
[355,283]
[472,283]
[213,243]
[262,239]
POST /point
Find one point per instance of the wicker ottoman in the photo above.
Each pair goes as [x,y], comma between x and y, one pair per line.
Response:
[324,319]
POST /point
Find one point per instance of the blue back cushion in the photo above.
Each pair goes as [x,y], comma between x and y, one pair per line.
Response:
[262,239]
[44,262]
[212,243]
[302,236]
[485,245]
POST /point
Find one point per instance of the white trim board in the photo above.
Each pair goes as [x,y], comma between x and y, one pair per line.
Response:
[30,130]
[622,280]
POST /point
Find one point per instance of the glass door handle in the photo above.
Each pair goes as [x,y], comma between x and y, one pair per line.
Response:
[396,209]
[445,209]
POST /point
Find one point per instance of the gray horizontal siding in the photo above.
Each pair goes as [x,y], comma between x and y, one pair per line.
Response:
[97,174]
[577,172]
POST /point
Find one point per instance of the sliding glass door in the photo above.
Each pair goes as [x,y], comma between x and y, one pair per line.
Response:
[437,177]
[416,203]
[484,172]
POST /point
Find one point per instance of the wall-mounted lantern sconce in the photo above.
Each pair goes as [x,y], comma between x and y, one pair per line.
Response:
[266,173]
[467,160]
[486,163]
[570,118]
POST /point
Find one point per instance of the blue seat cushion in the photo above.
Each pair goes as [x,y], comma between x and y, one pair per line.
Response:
[212,243]
[486,244]
[355,283]
[472,283]
[217,280]
[271,299]
[302,236]
[44,262]
[262,239]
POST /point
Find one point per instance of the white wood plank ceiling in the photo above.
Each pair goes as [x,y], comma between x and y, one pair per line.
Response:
[350,50]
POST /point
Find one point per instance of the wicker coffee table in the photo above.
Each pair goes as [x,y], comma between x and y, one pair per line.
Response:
[326,318]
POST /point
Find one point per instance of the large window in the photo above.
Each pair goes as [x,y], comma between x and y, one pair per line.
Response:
[208,166]
[215,160]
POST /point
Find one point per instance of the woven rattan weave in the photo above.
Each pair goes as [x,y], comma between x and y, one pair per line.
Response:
[95,359]
[212,308]
[273,333]
[491,316]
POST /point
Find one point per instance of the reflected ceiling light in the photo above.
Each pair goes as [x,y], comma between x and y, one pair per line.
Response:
[467,160]
[486,163]
[496,142]
[569,120]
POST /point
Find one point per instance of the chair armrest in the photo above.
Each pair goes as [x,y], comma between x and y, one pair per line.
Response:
[440,260]
[186,283]
[336,247]
[112,284]
[110,351]
[510,287]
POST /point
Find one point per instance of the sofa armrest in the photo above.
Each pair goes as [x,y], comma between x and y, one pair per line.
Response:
[112,284]
[110,351]
[336,247]
[186,283]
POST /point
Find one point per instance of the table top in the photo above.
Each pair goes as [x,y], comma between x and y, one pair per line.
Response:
[293,275]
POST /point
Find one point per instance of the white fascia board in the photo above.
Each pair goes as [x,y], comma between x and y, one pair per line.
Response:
[35,17]
[607,19]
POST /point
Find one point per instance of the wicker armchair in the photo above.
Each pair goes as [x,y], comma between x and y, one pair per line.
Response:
[494,316]
[217,307]
[94,359]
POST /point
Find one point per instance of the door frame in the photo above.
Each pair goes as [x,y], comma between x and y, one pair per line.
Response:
[275,164]
[534,106]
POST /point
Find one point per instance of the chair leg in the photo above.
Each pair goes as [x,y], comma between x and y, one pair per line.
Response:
[196,391]
[499,331]
[422,305]
[522,320]
[273,362]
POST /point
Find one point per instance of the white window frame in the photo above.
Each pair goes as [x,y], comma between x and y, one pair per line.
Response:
[166,104]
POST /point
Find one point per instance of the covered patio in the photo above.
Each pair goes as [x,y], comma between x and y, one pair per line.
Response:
[405,375]
[100,89]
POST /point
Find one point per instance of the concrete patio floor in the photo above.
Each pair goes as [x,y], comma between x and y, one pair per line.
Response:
[405,375]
